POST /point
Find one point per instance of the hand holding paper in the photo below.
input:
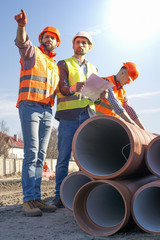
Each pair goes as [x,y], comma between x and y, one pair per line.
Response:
[94,86]
[77,87]
[104,95]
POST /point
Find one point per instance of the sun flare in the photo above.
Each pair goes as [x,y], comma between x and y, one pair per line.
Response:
[134,19]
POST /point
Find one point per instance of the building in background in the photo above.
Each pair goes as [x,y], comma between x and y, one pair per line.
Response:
[13,145]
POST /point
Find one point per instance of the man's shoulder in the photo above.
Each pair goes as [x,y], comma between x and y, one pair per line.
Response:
[61,63]
[65,59]
[93,66]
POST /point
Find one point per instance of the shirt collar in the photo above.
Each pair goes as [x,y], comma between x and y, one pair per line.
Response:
[118,85]
[85,61]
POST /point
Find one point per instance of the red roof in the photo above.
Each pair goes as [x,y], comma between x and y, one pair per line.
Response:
[12,141]
[19,143]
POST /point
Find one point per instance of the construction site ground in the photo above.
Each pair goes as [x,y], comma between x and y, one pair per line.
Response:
[51,226]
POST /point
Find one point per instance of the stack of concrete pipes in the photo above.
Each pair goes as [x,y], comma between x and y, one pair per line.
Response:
[119,177]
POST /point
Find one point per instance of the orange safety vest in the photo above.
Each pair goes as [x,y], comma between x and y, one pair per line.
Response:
[39,83]
[45,168]
[104,107]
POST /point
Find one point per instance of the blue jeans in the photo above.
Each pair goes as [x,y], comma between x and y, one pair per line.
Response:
[66,131]
[36,122]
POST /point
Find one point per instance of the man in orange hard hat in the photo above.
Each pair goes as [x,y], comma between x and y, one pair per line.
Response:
[117,103]
[39,79]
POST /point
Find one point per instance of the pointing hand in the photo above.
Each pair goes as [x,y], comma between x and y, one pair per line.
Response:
[21,18]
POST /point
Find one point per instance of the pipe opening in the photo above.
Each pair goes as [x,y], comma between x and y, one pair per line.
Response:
[153,157]
[146,209]
[105,206]
[102,147]
[70,187]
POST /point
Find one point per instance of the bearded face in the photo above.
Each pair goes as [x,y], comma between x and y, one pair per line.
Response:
[81,46]
[49,40]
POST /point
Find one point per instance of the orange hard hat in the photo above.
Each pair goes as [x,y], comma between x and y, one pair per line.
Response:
[132,70]
[52,30]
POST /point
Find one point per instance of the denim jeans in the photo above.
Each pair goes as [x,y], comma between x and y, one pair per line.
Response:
[66,131]
[36,122]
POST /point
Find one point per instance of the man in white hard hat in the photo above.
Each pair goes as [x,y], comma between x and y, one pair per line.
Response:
[72,108]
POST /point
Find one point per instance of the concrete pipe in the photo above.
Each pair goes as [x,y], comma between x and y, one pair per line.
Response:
[102,207]
[152,156]
[105,147]
[70,185]
[133,184]
[145,207]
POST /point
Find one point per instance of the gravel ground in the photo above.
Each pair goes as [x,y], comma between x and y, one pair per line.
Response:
[51,226]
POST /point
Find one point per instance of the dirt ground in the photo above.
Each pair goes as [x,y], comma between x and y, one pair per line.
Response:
[51,226]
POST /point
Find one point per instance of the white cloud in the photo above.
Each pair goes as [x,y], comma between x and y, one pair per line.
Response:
[7,96]
[150,110]
[7,108]
[144,95]
[95,32]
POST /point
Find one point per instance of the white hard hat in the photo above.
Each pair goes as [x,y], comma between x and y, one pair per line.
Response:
[85,35]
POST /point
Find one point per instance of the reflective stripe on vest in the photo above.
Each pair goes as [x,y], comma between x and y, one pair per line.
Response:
[40,82]
[104,106]
[75,75]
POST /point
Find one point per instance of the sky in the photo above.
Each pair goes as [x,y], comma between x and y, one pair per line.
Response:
[122,31]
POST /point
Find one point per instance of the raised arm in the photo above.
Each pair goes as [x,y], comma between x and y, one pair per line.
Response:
[22,21]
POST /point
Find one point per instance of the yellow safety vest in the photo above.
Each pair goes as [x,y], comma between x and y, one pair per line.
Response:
[75,75]
[104,106]
[39,83]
